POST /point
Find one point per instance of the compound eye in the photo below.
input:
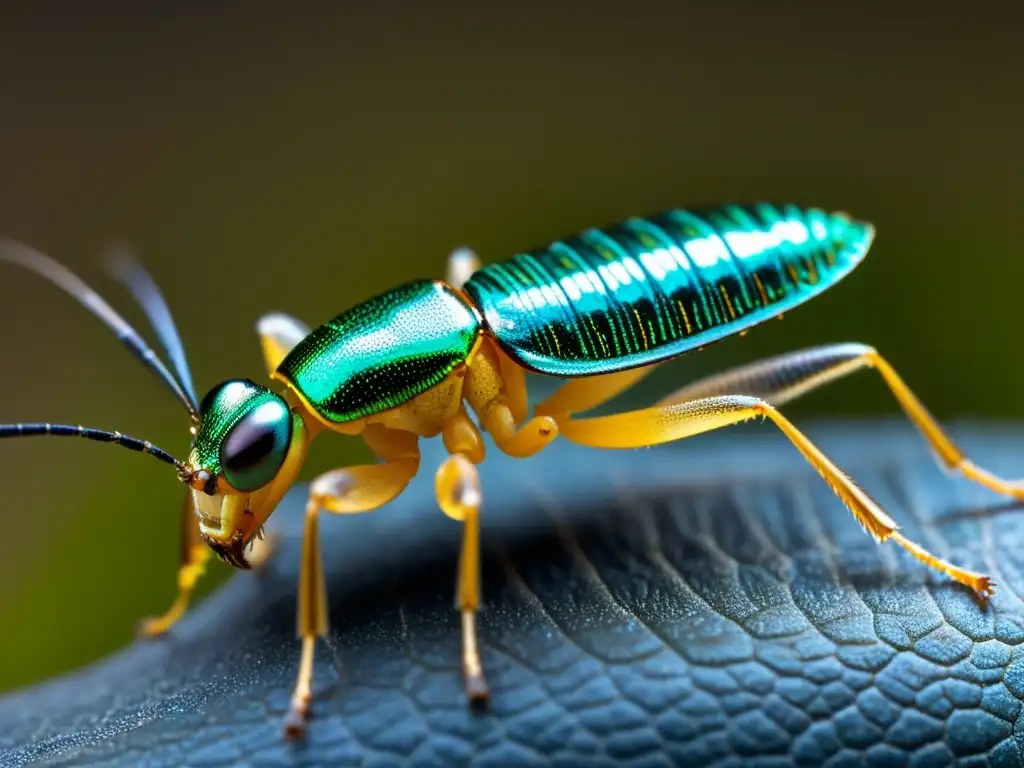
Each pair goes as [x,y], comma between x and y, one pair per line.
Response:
[254,449]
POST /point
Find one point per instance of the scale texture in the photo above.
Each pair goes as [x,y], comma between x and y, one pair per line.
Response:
[708,603]
[647,289]
[383,352]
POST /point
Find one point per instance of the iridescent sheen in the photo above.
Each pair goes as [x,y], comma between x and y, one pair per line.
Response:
[383,352]
[648,289]
[223,409]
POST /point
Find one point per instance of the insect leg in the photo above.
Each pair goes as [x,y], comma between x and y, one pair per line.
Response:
[676,421]
[786,377]
[580,395]
[462,263]
[194,556]
[457,485]
[342,491]
[498,398]
[312,618]
[514,377]
[278,334]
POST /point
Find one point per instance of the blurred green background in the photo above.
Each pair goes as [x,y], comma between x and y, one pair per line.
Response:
[300,161]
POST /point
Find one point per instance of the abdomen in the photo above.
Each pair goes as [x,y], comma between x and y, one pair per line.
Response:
[648,289]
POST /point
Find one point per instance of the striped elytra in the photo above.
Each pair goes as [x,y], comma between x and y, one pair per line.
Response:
[648,289]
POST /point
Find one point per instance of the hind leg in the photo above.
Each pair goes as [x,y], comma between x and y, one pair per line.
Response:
[680,420]
[779,380]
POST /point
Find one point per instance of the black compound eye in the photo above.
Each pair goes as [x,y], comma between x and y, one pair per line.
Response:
[255,448]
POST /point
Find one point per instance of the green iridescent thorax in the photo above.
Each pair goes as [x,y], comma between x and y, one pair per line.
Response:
[648,289]
[244,433]
[383,352]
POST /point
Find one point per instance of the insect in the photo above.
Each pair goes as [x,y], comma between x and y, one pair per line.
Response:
[601,309]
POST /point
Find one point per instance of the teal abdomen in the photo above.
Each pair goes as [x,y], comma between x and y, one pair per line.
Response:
[382,352]
[648,289]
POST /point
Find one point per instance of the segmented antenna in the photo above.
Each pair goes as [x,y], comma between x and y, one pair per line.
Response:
[66,430]
[123,265]
[61,276]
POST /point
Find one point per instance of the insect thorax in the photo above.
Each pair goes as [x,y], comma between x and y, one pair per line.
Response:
[383,352]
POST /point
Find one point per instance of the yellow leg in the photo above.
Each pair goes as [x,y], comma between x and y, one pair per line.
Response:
[342,491]
[457,486]
[194,556]
[781,379]
[515,387]
[580,395]
[278,334]
[462,263]
[666,423]
[312,618]
[487,390]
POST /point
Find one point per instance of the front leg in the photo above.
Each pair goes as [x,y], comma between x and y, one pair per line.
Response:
[279,333]
[342,491]
[194,556]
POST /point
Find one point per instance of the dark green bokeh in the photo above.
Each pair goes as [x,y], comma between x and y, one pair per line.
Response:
[302,162]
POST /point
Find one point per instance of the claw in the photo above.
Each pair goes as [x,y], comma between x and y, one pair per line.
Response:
[985,588]
[295,722]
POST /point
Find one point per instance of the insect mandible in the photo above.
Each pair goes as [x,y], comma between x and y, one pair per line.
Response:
[601,309]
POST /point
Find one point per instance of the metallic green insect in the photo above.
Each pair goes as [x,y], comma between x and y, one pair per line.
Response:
[601,309]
